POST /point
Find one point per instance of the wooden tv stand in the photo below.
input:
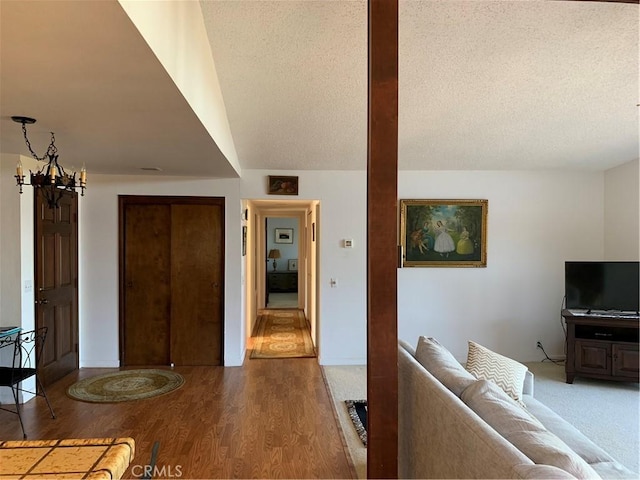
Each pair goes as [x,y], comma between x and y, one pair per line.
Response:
[602,346]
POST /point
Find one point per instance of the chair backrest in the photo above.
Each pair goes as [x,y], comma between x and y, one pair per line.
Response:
[27,347]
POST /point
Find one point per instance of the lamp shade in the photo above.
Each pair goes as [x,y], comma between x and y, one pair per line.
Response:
[275,253]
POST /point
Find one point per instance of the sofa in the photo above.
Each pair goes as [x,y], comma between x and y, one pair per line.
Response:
[453,424]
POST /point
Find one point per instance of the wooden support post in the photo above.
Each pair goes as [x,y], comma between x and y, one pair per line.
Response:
[382,226]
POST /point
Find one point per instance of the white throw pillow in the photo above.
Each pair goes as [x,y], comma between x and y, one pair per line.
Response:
[508,374]
[443,365]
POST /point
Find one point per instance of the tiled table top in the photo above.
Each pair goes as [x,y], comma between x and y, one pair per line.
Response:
[91,458]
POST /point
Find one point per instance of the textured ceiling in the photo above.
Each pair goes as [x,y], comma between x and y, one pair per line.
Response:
[482,85]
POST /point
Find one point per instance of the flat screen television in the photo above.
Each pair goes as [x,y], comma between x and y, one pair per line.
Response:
[602,286]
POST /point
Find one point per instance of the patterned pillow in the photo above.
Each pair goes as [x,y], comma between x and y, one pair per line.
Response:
[508,374]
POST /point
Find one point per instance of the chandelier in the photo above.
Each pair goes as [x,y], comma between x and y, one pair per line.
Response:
[52,179]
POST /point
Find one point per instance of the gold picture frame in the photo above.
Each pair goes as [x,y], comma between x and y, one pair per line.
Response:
[443,233]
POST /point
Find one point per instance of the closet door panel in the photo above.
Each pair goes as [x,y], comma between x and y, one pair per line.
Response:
[147,284]
[197,259]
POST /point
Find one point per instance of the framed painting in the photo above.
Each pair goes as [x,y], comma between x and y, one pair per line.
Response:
[292,264]
[282,185]
[443,233]
[284,235]
[244,240]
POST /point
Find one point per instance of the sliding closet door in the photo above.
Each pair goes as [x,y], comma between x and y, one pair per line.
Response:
[172,272]
[196,279]
[147,284]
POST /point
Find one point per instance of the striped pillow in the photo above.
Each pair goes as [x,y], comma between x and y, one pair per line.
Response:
[508,374]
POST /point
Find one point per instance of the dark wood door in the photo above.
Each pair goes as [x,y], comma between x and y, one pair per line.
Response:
[172,272]
[593,357]
[196,279]
[147,284]
[56,283]
[626,360]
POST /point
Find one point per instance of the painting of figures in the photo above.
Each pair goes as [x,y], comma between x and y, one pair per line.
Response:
[443,233]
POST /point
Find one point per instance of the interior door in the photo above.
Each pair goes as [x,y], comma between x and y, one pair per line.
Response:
[172,280]
[197,255]
[147,284]
[56,283]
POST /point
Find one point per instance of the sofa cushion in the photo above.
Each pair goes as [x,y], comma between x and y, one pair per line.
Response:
[600,461]
[508,374]
[443,365]
[537,472]
[522,430]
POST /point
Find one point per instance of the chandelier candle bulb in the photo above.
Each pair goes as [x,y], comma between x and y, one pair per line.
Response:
[52,180]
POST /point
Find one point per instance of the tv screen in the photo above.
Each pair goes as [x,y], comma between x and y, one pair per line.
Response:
[602,285]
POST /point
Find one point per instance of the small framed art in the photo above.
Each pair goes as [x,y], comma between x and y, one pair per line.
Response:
[284,235]
[293,264]
[244,240]
[282,185]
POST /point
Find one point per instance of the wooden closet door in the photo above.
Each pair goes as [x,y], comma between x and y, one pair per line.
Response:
[197,255]
[172,280]
[147,284]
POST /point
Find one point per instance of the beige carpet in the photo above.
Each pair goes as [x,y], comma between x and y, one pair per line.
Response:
[283,300]
[349,383]
[606,412]
[282,334]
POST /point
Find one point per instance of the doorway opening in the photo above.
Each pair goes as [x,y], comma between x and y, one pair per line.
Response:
[282,247]
[281,267]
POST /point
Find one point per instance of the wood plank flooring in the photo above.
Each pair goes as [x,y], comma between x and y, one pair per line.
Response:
[268,419]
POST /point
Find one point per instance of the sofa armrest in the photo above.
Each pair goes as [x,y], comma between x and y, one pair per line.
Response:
[528,383]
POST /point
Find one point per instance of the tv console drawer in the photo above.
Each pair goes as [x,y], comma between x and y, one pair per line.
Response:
[612,334]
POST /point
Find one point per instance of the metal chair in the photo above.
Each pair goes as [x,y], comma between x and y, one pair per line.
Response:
[26,349]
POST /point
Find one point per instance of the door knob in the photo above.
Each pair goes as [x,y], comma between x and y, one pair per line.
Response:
[44,301]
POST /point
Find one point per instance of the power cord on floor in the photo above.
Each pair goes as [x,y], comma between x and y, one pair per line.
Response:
[546,357]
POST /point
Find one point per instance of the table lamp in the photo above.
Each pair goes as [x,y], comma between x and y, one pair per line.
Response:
[274,253]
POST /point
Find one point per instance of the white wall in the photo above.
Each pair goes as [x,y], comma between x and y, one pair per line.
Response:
[536,221]
[622,212]
[16,244]
[99,261]
[342,311]
[168,25]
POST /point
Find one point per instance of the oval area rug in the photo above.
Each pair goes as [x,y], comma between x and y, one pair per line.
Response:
[125,385]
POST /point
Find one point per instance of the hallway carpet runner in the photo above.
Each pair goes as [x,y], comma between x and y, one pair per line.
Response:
[282,334]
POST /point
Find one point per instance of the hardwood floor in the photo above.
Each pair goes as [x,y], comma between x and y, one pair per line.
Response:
[268,419]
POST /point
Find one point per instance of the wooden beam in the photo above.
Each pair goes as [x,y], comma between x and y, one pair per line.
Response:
[382,238]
